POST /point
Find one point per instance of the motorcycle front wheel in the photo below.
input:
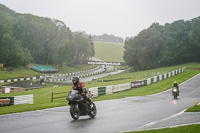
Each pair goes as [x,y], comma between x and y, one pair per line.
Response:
[93,111]
[74,111]
[175,96]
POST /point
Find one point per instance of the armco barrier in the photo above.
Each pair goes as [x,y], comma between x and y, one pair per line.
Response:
[172,73]
[152,80]
[101,91]
[94,91]
[148,81]
[137,84]
[132,84]
[158,78]
[165,75]
[24,99]
[155,79]
[109,89]
[145,82]
[98,91]
[121,87]
[20,79]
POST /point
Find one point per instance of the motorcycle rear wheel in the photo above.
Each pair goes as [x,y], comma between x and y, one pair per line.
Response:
[74,112]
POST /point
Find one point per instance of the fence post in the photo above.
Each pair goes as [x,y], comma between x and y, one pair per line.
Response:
[52,97]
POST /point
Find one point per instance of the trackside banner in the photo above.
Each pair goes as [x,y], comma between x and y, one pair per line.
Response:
[106,63]
[5,101]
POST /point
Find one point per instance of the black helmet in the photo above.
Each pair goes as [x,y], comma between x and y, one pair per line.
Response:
[75,80]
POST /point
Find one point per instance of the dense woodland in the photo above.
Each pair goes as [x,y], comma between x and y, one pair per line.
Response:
[107,38]
[26,38]
[171,44]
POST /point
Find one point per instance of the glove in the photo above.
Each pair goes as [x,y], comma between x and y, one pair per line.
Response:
[84,90]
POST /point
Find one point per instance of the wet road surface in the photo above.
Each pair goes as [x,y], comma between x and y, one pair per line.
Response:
[112,116]
[100,76]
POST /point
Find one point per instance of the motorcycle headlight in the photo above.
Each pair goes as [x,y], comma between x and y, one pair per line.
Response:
[174,90]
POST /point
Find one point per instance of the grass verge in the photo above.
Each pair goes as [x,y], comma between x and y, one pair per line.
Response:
[195,108]
[182,129]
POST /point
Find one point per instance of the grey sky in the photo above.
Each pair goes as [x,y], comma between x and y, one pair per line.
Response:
[119,17]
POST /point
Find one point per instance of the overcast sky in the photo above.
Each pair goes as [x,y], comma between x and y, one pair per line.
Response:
[123,18]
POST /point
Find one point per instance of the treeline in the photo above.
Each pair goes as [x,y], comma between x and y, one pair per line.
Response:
[171,44]
[26,38]
[107,38]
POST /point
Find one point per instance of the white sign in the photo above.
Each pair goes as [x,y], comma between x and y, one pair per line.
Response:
[105,63]
[7,90]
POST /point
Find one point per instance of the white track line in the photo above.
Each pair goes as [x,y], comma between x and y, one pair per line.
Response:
[152,123]
[170,126]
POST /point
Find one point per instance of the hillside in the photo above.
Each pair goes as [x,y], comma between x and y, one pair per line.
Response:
[109,51]
[108,38]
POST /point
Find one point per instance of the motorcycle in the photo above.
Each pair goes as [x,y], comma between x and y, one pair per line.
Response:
[79,106]
[175,92]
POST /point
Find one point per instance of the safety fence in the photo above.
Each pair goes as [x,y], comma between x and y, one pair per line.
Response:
[20,79]
[24,99]
[55,95]
[54,80]
[99,91]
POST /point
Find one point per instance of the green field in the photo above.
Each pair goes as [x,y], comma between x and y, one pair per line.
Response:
[182,129]
[67,69]
[21,72]
[25,72]
[109,51]
[42,97]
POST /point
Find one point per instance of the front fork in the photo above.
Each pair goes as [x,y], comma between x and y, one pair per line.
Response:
[76,106]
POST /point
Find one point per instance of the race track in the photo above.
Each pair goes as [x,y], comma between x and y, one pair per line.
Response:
[113,115]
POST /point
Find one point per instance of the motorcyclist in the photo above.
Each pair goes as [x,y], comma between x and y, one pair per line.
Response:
[176,85]
[79,86]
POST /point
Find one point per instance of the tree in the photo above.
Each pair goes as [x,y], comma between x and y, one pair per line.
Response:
[157,46]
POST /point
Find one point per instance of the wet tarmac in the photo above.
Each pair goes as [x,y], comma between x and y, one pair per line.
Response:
[113,115]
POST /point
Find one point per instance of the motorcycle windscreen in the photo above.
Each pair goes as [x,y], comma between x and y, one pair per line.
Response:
[72,95]
[74,92]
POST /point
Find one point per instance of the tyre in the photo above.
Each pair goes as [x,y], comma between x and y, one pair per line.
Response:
[93,111]
[74,112]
